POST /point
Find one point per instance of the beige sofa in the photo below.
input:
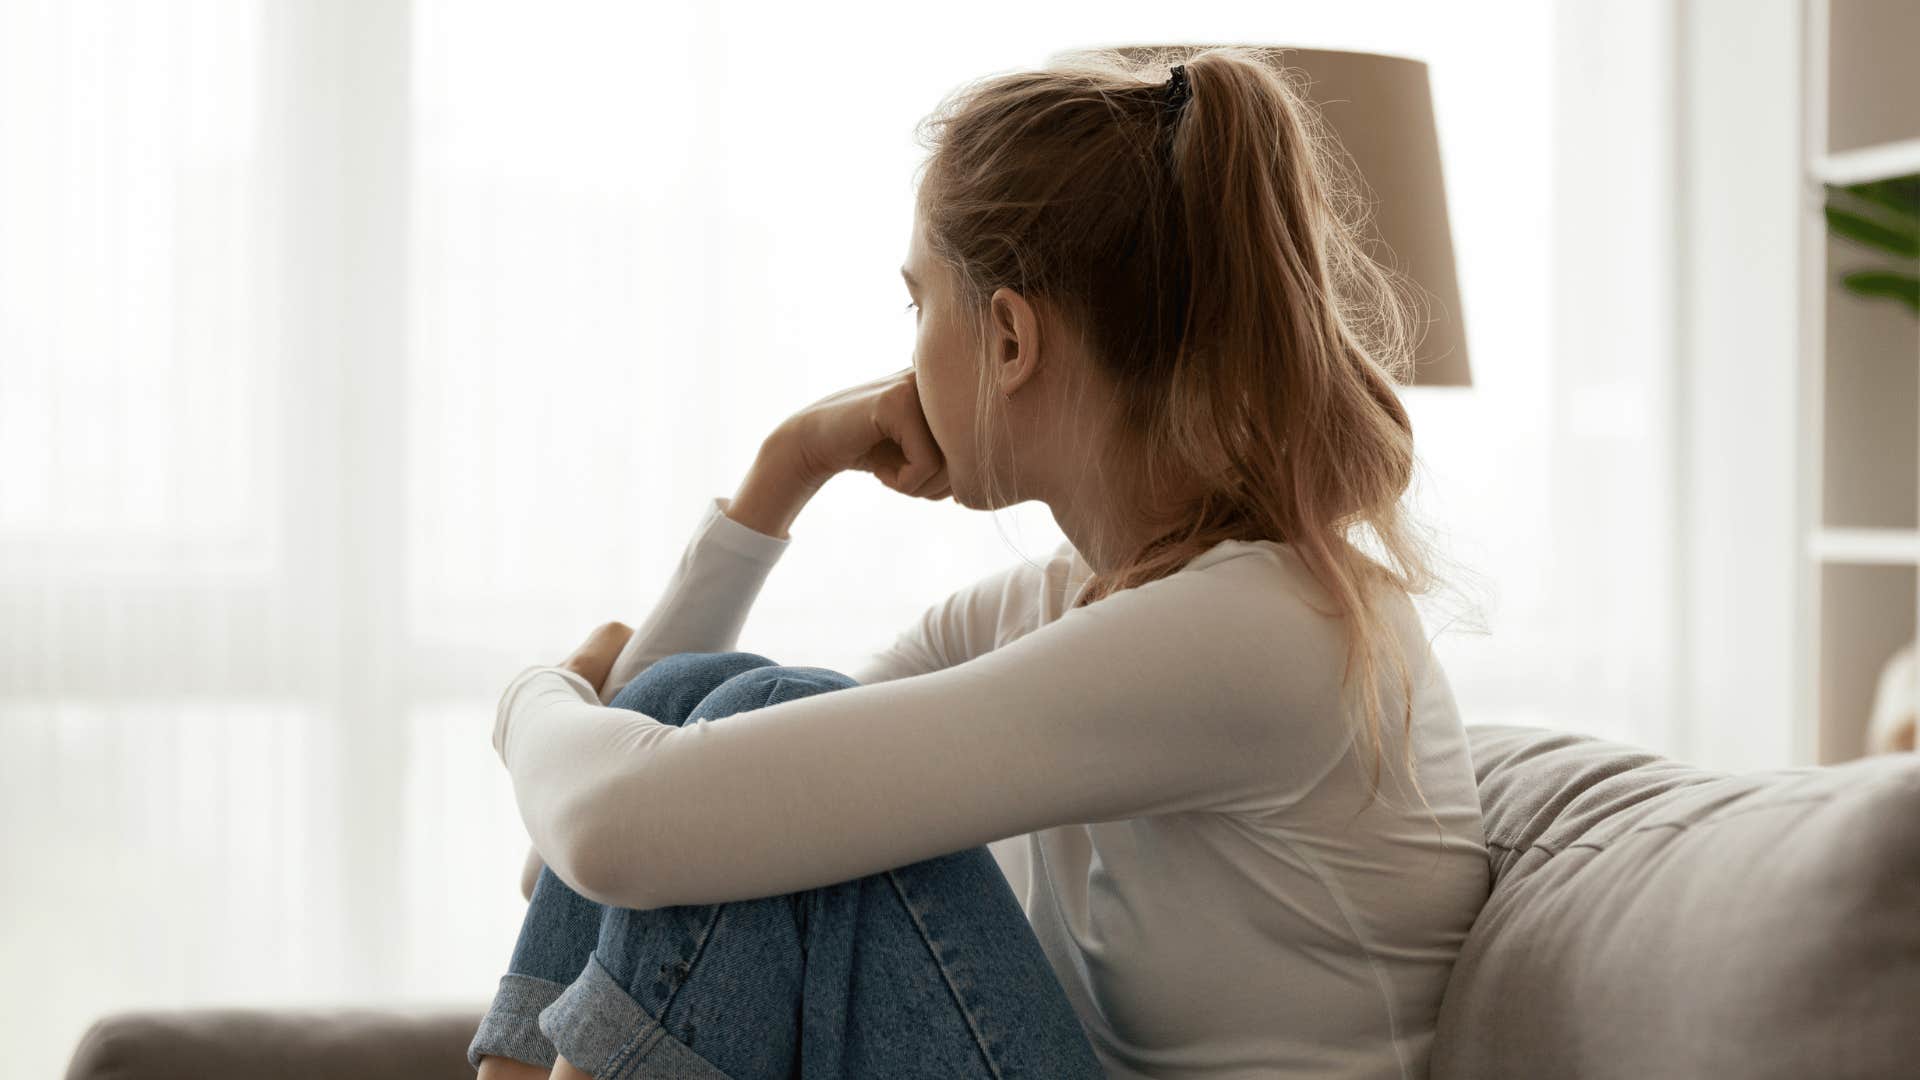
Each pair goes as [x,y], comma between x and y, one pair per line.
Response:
[1648,919]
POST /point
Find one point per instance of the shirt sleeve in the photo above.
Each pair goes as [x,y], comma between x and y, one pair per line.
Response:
[706,599]
[530,872]
[971,620]
[914,652]
[1205,690]
[702,608]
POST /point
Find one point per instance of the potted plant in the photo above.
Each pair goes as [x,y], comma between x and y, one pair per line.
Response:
[1883,215]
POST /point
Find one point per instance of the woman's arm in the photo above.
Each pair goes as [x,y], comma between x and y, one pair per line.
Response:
[712,589]
[777,487]
[977,617]
[722,569]
[878,427]
[530,872]
[1207,690]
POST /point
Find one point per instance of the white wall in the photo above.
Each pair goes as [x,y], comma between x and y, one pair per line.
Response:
[1615,629]
[1739,339]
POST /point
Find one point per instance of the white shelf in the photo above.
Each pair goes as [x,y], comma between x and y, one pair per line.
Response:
[1858,597]
[1867,547]
[1882,162]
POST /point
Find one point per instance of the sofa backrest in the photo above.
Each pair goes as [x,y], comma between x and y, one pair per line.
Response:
[1653,919]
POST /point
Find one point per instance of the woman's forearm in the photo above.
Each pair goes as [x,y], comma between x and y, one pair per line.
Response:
[776,488]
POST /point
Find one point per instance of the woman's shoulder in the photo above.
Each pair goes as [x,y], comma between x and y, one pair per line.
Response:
[1238,595]
[1258,606]
[1005,603]
[1263,571]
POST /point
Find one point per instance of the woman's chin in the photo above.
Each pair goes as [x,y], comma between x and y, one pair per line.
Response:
[967,497]
[974,499]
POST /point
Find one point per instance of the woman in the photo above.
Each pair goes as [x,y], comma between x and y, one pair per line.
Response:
[1252,837]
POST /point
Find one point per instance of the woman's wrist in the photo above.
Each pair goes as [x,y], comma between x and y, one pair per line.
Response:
[776,488]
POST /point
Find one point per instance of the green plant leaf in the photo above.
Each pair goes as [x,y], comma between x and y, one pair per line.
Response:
[1880,235]
[1899,195]
[1884,283]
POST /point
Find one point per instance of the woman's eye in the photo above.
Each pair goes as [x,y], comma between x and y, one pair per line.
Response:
[911,305]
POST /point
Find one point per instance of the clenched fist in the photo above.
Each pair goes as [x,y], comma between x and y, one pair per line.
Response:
[877,427]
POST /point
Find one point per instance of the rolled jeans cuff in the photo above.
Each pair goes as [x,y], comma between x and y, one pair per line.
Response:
[603,1032]
[511,1026]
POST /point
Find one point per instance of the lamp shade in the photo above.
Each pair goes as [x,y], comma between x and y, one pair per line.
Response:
[1381,110]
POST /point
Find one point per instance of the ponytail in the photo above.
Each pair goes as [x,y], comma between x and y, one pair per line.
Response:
[1211,256]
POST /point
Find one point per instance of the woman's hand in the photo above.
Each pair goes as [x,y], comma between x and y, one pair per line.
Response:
[594,659]
[877,427]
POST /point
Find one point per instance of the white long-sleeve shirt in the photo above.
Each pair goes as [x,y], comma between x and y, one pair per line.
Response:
[1166,774]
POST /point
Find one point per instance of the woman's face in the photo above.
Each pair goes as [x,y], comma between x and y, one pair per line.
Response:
[945,366]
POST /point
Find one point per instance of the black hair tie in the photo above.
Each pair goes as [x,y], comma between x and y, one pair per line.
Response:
[1177,92]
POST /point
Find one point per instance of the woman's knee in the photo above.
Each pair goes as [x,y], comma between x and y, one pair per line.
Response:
[715,666]
[670,687]
[759,687]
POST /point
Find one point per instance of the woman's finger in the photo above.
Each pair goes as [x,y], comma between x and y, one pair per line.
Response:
[593,660]
[609,637]
[915,438]
[933,484]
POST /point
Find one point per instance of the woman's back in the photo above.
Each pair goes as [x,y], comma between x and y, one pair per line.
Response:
[1291,931]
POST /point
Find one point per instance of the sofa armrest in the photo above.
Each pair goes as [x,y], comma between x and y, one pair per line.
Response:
[299,1044]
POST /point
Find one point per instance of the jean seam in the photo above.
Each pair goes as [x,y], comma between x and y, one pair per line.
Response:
[637,1045]
[953,987]
[640,1041]
[617,1064]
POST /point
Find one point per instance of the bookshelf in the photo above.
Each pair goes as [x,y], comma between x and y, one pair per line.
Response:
[1860,378]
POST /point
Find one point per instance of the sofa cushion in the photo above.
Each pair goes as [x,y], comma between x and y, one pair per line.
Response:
[291,1043]
[1649,918]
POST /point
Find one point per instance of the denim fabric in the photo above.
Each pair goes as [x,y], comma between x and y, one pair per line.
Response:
[925,970]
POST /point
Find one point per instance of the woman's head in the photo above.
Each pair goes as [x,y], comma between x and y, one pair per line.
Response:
[1019,360]
[1173,307]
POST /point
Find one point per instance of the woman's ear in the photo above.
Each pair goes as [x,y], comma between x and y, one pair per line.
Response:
[1014,326]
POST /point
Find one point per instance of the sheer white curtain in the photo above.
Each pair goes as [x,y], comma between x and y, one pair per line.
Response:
[354,355]
[170,789]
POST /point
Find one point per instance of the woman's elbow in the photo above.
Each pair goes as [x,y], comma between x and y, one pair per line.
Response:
[586,873]
[591,884]
[530,873]
[599,864]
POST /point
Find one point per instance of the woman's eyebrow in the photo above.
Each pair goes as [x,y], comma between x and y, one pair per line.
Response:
[911,284]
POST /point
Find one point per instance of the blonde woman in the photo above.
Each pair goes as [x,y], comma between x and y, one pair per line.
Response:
[1252,838]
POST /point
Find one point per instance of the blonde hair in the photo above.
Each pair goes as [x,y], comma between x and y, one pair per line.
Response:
[1211,260]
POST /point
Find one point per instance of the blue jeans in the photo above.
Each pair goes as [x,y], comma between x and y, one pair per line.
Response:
[925,970]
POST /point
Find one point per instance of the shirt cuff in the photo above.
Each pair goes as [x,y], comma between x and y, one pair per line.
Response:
[532,679]
[717,528]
